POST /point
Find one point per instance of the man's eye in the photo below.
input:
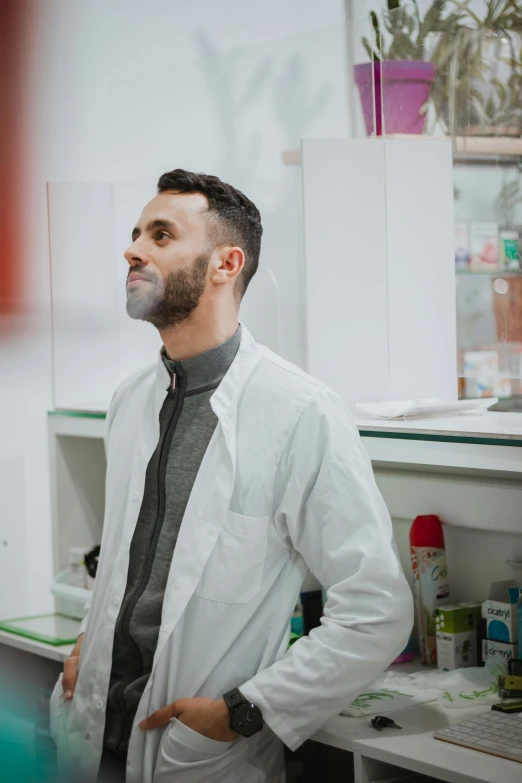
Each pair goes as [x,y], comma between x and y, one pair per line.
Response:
[162,235]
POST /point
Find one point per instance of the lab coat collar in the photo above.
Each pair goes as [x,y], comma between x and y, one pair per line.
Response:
[225,398]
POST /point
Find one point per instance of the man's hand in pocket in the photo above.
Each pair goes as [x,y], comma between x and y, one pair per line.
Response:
[207,717]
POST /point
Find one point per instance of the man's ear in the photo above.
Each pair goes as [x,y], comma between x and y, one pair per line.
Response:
[231,263]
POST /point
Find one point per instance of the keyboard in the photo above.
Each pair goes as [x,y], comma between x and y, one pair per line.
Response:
[492,732]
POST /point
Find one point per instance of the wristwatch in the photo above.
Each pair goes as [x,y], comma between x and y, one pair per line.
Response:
[245,718]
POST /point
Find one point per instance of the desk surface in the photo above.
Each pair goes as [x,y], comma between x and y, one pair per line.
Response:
[414,747]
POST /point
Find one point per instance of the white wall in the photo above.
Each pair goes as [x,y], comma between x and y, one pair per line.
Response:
[122,90]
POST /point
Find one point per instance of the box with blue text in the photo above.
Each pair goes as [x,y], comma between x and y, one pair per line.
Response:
[501,611]
[498,652]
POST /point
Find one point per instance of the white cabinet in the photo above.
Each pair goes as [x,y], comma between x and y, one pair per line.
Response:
[380,281]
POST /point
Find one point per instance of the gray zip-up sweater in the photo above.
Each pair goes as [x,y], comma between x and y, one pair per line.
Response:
[187,423]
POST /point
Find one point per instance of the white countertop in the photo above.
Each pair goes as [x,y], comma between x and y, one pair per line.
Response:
[54,653]
[414,747]
[491,425]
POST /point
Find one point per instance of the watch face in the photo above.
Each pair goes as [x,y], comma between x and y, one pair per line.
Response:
[247,719]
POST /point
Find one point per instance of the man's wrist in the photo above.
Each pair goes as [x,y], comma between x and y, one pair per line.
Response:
[223,714]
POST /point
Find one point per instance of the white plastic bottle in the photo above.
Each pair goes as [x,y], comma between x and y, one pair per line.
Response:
[77,573]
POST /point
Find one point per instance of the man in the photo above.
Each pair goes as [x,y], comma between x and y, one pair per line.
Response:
[229,473]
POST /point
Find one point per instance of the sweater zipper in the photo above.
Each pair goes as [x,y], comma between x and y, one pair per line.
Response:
[177,390]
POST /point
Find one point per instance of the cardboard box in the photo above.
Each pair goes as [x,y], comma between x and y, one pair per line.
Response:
[499,652]
[457,627]
[501,610]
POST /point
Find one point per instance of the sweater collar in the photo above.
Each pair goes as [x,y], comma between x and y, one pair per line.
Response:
[207,370]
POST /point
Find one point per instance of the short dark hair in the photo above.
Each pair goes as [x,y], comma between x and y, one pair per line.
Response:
[235,219]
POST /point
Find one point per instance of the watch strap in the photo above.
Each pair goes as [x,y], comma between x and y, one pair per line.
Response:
[233,699]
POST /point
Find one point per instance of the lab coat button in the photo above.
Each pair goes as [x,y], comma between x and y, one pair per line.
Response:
[99,704]
[134,496]
[116,600]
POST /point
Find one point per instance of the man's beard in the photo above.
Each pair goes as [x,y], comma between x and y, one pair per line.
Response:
[172,301]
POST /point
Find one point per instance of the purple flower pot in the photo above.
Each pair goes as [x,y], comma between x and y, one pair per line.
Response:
[402,88]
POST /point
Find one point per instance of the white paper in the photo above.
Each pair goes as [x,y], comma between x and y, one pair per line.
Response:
[432,406]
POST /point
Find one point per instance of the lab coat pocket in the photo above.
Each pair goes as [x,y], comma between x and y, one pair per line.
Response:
[234,570]
[183,750]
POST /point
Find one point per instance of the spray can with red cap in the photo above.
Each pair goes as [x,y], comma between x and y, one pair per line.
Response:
[430,580]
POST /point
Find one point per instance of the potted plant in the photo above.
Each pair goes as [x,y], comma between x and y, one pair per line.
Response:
[478,90]
[395,85]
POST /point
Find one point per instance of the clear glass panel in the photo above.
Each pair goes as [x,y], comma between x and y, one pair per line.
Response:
[483,112]
[365,100]
[484,82]
[85,320]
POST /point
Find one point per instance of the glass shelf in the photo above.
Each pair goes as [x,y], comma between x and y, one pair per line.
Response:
[475,440]
[470,150]
[78,414]
[490,273]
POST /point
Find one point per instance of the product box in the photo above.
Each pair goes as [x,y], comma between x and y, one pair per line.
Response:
[510,249]
[481,371]
[498,652]
[484,246]
[502,604]
[462,257]
[457,627]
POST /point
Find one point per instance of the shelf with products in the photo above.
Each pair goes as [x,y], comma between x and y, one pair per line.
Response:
[488,264]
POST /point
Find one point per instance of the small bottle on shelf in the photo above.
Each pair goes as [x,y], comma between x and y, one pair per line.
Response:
[77,573]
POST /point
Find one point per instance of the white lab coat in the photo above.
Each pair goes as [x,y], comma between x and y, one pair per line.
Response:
[285,485]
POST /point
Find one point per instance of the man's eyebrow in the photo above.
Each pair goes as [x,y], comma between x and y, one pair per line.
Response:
[158,223]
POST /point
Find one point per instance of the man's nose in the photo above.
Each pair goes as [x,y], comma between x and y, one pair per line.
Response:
[134,254]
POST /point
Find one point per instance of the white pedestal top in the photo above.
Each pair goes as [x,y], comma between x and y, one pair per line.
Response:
[491,426]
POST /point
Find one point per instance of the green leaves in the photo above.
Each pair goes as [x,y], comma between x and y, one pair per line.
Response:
[405,30]
[497,13]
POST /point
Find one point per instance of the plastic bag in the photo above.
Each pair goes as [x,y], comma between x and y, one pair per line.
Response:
[460,688]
